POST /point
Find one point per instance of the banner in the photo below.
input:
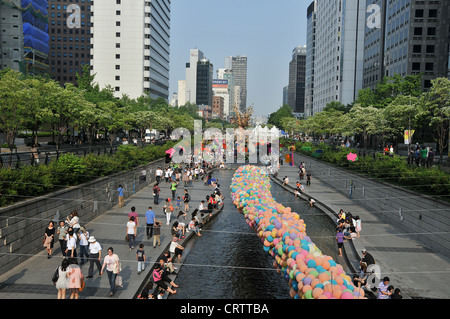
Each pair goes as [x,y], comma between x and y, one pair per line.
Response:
[408,136]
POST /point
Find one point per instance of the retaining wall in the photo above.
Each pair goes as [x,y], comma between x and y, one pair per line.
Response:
[422,217]
[22,225]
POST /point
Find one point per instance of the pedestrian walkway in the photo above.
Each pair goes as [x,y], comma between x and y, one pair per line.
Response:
[32,278]
[412,267]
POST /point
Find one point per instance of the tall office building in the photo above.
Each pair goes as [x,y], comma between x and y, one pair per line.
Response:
[131,46]
[310,52]
[296,91]
[338,54]
[238,65]
[24,36]
[204,92]
[412,39]
[69,38]
[190,86]
[285,94]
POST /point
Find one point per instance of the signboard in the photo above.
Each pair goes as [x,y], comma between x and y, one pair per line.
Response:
[220,84]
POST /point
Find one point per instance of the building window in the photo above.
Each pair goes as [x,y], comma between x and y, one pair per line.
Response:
[118,45]
[117,78]
[117,67]
[117,34]
[417,49]
[117,23]
[117,12]
[419,13]
[416,66]
[117,56]
[117,88]
[430,48]
[418,31]
[432,13]
[429,66]
[431,31]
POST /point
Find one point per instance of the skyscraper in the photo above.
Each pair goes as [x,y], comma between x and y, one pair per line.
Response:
[131,46]
[338,53]
[296,91]
[24,36]
[310,55]
[238,65]
[204,93]
[69,38]
[412,39]
[190,86]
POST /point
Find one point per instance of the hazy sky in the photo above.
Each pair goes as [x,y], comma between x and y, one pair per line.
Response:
[266,31]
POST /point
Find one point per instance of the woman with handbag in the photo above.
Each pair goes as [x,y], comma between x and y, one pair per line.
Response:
[49,238]
[111,262]
[62,280]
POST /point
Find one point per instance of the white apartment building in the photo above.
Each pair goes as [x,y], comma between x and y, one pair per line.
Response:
[339,49]
[130,47]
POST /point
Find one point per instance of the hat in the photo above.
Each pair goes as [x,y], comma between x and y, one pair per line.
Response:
[91,239]
[364,250]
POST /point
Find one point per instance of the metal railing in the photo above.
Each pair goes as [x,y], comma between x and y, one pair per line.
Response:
[44,157]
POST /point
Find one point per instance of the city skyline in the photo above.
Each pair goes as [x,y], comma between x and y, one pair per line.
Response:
[264,33]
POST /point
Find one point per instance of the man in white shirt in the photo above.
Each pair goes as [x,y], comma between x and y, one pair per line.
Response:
[158,174]
[95,254]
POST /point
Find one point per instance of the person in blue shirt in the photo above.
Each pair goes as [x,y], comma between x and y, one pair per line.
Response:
[150,220]
[121,198]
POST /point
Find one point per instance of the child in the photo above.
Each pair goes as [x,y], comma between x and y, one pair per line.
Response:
[140,256]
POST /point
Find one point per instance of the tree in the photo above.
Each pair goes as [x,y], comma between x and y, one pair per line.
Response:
[283,111]
[361,120]
[14,107]
[435,105]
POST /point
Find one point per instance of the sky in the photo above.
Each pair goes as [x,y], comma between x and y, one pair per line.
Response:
[266,31]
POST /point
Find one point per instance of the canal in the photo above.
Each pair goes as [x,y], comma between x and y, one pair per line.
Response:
[228,261]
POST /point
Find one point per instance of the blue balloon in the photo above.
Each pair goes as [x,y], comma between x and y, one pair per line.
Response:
[311,263]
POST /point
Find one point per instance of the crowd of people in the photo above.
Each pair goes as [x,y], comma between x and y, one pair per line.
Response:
[78,247]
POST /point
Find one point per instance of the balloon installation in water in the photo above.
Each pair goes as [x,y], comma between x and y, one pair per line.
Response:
[310,274]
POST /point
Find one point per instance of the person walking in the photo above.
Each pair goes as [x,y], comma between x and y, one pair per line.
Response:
[131,232]
[140,256]
[95,255]
[150,221]
[158,175]
[71,248]
[157,233]
[75,278]
[121,191]
[62,284]
[135,215]
[49,236]
[156,191]
[62,233]
[173,188]
[308,179]
[84,244]
[111,263]
[186,200]
[167,210]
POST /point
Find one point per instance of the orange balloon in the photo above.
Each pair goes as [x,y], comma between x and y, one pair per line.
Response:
[305,288]
[317,292]
[337,292]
